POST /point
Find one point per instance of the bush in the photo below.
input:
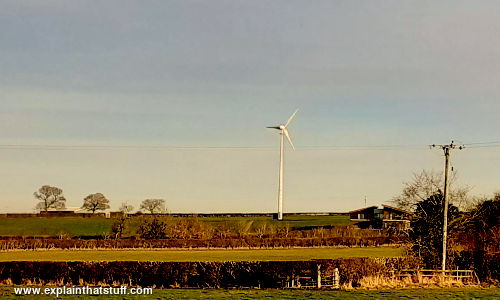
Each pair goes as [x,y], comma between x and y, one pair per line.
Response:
[152,228]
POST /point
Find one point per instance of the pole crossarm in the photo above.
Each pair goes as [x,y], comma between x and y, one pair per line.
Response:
[452,145]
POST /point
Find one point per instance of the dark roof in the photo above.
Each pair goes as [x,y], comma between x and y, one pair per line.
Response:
[397,209]
[361,209]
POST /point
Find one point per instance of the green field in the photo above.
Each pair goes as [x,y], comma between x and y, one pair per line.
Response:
[7,292]
[78,226]
[199,255]
[74,226]
[293,221]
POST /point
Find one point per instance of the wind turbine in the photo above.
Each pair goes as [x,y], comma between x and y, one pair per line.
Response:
[283,132]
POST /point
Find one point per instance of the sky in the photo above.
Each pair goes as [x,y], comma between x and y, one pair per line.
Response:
[170,99]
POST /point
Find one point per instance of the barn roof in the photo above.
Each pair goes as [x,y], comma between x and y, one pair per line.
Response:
[397,209]
[361,209]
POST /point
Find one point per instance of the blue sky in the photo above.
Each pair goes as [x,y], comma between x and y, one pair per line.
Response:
[215,73]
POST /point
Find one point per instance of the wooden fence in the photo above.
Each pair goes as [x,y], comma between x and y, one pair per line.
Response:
[314,279]
[418,275]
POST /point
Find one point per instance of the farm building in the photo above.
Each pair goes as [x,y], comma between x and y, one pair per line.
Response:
[384,217]
[69,212]
[62,211]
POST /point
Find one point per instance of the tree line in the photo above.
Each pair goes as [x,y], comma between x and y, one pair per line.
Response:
[51,197]
[473,223]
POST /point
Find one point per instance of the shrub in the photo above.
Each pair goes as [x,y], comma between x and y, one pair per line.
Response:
[152,228]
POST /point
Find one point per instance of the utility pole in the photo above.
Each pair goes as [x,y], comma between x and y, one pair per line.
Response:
[446,149]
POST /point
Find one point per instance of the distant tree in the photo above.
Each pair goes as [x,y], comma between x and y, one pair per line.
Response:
[264,228]
[126,208]
[426,184]
[95,202]
[223,230]
[119,226]
[426,234]
[200,230]
[192,228]
[243,227]
[153,205]
[152,228]
[121,222]
[50,197]
[284,230]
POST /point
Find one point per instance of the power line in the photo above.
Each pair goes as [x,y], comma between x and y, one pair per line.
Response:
[481,143]
[368,147]
[389,147]
[484,146]
[490,144]
[128,147]
[121,147]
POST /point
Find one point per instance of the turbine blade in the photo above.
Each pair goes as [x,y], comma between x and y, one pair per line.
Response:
[285,131]
[291,118]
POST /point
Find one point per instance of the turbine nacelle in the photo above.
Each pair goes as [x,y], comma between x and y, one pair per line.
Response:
[284,128]
[281,127]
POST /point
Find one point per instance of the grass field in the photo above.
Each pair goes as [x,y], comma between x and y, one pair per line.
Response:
[199,255]
[78,226]
[74,226]
[293,221]
[7,292]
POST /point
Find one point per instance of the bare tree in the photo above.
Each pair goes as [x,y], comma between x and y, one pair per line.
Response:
[263,228]
[285,229]
[243,227]
[119,226]
[426,184]
[126,208]
[153,205]
[50,197]
[95,202]
[223,230]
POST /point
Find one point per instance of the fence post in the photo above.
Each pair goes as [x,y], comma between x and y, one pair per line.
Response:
[319,276]
[336,278]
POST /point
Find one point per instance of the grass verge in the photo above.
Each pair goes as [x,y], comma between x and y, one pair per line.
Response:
[7,292]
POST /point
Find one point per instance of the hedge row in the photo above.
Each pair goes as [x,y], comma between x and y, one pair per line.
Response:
[248,242]
[270,274]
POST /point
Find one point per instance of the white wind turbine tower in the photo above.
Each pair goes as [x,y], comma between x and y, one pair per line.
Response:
[283,132]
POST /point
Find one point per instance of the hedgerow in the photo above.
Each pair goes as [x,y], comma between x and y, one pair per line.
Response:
[235,242]
[265,274]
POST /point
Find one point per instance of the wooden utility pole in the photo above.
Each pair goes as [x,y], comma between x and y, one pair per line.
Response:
[445,196]
[446,149]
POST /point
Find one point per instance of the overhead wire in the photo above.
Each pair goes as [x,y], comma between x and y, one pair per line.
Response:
[490,144]
[56,147]
[482,143]
[129,147]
